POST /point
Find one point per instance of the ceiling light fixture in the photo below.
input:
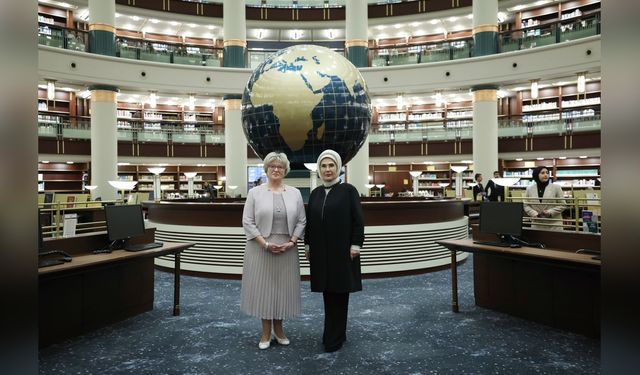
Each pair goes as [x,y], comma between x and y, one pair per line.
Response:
[153,99]
[51,89]
[534,89]
[581,82]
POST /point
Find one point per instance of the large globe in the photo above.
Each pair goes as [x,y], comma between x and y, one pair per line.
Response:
[303,100]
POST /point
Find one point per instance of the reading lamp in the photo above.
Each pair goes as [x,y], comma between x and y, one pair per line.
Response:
[123,186]
[369,186]
[506,182]
[231,188]
[190,176]
[380,186]
[414,175]
[313,178]
[156,182]
[459,169]
[443,185]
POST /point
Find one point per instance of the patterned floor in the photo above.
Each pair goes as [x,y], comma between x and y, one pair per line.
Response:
[396,326]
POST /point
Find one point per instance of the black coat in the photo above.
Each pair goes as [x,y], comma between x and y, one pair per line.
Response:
[477,189]
[494,191]
[330,238]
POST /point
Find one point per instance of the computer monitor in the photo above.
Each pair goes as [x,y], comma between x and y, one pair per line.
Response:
[124,222]
[501,218]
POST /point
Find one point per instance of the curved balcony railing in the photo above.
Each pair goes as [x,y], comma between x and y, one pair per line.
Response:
[511,127]
[65,127]
[68,127]
[203,55]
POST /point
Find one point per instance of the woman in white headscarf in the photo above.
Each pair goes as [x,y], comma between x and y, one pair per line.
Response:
[334,236]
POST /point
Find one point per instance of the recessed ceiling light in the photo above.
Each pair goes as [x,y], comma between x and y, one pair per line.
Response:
[519,159]
[583,157]
[562,157]
[153,20]
[135,18]
[539,158]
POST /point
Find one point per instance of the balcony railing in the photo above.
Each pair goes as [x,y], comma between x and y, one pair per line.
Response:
[510,127]
[67,127]
[202,55]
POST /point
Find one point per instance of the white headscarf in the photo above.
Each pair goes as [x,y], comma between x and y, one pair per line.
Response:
[336,159]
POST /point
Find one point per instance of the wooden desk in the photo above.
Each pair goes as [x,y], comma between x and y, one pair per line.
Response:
[552,286]
[95,290]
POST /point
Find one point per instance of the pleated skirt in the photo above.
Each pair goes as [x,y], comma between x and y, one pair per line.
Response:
[270,282]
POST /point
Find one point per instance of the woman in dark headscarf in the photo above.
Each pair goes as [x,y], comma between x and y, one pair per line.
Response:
[334,235]
[544,201]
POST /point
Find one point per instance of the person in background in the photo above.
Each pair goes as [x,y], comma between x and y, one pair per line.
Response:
[478,190]
[495,192]
[544,199]
[209,189]
[273,220]
[333,238]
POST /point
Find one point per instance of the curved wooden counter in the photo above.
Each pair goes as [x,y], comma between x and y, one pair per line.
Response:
[400,236]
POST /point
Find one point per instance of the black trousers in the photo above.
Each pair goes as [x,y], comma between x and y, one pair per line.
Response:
[336,307]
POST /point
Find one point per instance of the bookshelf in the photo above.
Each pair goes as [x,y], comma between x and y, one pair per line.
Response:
[570,173]
[172,179]
[62,177]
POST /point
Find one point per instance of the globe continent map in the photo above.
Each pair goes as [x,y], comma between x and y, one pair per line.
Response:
[303,100]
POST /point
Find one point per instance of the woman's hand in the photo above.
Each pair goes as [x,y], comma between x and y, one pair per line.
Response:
[354,254]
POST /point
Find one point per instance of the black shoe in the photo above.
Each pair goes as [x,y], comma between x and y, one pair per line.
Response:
[331,349]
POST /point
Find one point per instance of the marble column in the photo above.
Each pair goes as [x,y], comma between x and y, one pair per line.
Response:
[358,169]
[234,27]
[485,27]
[357,47]
[235,145]
[357,39]
[104,141]
[102,32]
[485,100]
[485,131]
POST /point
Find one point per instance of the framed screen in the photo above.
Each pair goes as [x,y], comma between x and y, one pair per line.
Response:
[501,218]
[124,221]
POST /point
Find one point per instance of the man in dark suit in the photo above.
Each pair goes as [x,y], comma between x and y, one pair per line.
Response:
[494,191]
[478,190]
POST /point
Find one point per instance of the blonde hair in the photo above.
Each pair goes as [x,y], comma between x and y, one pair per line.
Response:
[279,157]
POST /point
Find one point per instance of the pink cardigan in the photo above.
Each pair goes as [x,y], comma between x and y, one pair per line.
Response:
[257,216]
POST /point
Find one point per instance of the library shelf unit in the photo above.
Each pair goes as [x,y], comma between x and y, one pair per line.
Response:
[422,116]
[570,173]
[167,117]
[560,103]
[62,177]
[560,11]
[172,179]
[55,110]
[397,177]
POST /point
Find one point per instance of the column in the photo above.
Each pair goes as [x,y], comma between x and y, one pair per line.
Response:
[102,32]
[357,39]
[104,141]
[485,99]
[357,46]
[235,144]
[235,33]
[485,27]
[485,131]
[358,169]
